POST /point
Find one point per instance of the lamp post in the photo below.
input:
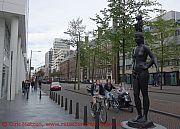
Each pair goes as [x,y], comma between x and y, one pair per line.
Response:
[30,63]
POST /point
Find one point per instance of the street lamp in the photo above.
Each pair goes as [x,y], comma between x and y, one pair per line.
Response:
[30,63]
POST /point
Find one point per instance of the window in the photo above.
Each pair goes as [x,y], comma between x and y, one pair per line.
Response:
[128,67]
[5,73]
[177,32]
[7,42]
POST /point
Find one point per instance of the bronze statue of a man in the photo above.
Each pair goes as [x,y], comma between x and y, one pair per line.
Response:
[140,71]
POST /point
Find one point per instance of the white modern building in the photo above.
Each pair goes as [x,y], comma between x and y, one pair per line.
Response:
[60,48]
[13,39]
[48,62]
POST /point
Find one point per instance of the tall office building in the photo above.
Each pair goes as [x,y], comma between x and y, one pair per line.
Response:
[60,48]
[48,62]
[13,39]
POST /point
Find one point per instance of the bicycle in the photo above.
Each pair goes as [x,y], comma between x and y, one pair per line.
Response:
[98,107]
[111,102]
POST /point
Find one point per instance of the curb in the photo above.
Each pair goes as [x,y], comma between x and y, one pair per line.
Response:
[152,110]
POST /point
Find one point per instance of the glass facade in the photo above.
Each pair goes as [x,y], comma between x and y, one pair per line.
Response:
[168,78]
[4,85]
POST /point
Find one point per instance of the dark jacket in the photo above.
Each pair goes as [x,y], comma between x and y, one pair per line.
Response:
[101,89]
[106,87]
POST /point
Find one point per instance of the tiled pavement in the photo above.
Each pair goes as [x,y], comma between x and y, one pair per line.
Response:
[34,110]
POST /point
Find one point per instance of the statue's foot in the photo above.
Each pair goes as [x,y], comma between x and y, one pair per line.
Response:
[137,118]
[142,119]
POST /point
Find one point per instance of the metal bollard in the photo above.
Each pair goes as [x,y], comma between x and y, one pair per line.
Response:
[97,120]
[53,96]
[77,111]
[62,103]
[113,123]
[27,92]
[70,107]
[85,115]
[40,94]
[66,104]
[58,99]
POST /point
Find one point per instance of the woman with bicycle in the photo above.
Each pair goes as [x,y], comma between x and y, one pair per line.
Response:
[97,91]
[108,88]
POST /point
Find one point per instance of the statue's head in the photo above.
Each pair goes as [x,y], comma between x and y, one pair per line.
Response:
[139,38]
[138,17]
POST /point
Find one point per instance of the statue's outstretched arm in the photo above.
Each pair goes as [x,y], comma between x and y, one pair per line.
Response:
[153,58]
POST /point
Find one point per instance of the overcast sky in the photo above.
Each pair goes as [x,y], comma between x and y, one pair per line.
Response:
[48,19]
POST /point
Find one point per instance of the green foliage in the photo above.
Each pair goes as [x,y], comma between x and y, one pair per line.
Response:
[55,74]
[163,40]
[122,13]
[40,73]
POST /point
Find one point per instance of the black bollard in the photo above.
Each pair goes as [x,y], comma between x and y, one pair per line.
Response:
[27,92]
[70,107]
[85,115]
[53,96]
[77,111]
[97,120]
[113,123]
[62,103]
[58,99]
[40,94]
[66,104]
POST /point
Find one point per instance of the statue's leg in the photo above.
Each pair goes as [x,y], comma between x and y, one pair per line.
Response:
[137,100]
[144,78]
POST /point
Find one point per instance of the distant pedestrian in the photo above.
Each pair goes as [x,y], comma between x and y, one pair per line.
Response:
[156,80]
[32,84]
[23,87]
[27,86]
[39,82]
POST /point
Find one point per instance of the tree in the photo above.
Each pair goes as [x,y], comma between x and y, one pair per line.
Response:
[122,13]
[162,40]
[40,73]
[75,29]
[55,74]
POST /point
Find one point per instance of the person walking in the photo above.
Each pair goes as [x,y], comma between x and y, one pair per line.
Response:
[23,87]
[39,82]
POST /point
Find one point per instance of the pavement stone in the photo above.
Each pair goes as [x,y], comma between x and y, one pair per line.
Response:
[35,110]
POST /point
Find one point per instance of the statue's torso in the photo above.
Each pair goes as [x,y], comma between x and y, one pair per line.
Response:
[139,58]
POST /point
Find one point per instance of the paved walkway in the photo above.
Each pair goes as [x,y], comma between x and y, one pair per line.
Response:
[40,112]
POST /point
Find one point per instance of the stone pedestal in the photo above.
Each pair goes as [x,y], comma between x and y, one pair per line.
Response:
[125,125]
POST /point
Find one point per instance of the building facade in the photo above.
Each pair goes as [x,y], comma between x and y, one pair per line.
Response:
[68,67]
[48,62]
[171,74]
[60,48]
[13,39]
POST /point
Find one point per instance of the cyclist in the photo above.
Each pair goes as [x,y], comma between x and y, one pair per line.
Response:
[97,91]
[108,88]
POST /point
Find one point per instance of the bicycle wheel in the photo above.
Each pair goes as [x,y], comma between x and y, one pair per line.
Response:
[116,105]
[93,109]
[107,103]
[103,114]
